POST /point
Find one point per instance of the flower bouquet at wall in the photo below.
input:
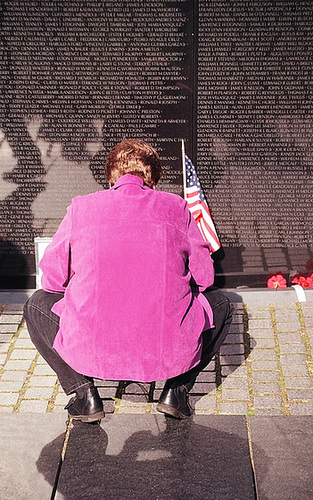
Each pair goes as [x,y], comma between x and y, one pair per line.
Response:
[304,279]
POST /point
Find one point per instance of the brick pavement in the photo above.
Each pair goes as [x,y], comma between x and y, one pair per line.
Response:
[265,367]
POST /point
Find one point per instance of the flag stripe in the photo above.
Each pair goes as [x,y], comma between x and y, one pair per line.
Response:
[199,208]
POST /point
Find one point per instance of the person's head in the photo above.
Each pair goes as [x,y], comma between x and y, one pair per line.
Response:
[135,157]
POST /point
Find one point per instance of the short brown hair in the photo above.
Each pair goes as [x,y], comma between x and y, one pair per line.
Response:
[135,157]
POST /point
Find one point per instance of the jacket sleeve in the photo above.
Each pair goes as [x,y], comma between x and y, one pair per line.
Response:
[56,262]
[200,261]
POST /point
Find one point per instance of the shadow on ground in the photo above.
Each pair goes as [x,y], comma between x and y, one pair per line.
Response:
[166,459]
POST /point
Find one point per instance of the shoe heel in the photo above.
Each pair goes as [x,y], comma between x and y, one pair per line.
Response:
[88,418]
[169,410]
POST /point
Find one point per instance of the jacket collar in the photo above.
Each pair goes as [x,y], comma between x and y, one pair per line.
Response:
[129,179]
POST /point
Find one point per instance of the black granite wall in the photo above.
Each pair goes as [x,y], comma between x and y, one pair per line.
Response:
[233,78]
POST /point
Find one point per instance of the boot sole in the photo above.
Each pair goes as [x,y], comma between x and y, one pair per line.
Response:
[88,418]
[170,410]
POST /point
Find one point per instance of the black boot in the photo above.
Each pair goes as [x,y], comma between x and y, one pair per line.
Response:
[174,401]
[88,407]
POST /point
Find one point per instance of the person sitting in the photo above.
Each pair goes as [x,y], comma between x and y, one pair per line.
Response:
[127,290]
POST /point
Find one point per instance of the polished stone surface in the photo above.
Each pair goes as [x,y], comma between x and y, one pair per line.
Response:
[283,456]
[136,457]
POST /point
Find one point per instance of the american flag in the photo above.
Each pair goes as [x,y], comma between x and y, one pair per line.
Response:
[198,206]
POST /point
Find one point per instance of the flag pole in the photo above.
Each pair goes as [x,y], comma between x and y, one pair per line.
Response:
[184,166]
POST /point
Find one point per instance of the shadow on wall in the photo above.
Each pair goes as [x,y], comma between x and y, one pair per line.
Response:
[17,263]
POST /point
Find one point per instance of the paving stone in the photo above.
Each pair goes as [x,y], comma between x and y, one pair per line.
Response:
[107,392]
[6,409]
[23,354]
[236,328]
[4,348]
[43,381]
[265,343]
[290,318]
[3,357]
[232,360]
[268,411]
[14,375]
[206,376]
[237,319]
[263,354]
[10,319]
[296,370]
[106,383]
[9,398]
[14,308]
[265,376]
[7,328]
[238,408]
[157,394]
[297,382]
[60,409]
[235,394]
[23,334]
[62,399]
[266,388]
[41,360]
[211,366]
[232,349]
[258,314]
[238,371]
[264,365]
[203,388]
[235,383]
[267,401]
[297,359]
[259,324]
[135,399]
[206,403]
[300,394]
[234,338]
[38,393]
[109,406]
[301,408]
[33,406]
[23,343]
[132,409]
[286,328]
[5,337]
[262,334]
[289,337]
[43,370]
[10,385]
[18,364]
[292,348]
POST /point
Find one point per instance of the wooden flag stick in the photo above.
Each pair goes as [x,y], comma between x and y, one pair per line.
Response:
[184,166]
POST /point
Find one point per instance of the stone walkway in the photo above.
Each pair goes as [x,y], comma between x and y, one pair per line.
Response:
[265,366]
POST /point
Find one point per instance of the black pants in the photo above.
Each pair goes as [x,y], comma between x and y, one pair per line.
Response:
[43,326]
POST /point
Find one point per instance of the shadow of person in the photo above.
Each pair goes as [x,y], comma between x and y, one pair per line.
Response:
[14,268]
[231,356]
[17,233]
[204,457]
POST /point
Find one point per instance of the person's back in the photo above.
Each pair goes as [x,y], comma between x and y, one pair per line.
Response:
[122,282]
[130,282]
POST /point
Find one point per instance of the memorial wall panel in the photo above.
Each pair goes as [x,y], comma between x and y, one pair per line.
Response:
[78,78]
[255,129]
[234,79]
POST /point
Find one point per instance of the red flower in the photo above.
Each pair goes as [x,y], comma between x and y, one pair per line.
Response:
[310,280]
[304,280]
[277,281]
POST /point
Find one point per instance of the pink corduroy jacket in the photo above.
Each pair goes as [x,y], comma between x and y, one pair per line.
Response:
[125,259]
